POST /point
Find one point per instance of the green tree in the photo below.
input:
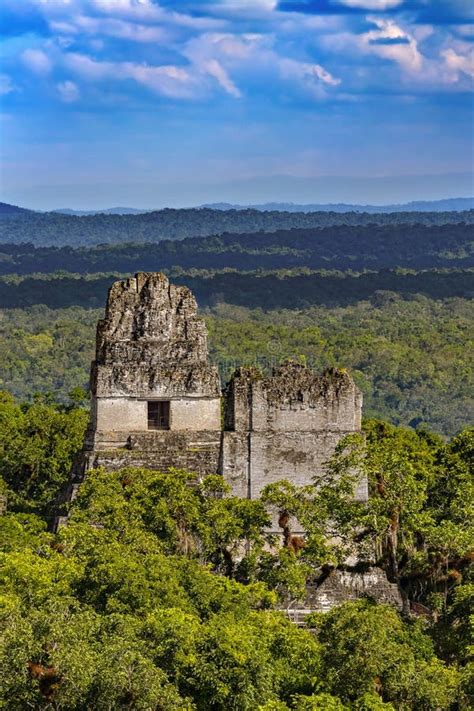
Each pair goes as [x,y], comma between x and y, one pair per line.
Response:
[37,446]
[367,649]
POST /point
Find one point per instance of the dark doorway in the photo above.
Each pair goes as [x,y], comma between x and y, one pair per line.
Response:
[158,415]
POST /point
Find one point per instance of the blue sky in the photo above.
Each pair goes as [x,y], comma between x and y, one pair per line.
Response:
[144,103]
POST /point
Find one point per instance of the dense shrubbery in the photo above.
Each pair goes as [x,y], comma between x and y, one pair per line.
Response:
[43,351]
[143,601]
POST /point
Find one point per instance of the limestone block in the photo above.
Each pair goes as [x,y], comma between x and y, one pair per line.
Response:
[195,414]
[120,414]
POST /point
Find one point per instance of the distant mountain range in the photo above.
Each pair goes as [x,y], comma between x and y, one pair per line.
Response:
[447,205]
[7,210]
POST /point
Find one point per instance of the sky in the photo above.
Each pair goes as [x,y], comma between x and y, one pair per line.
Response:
[179,102]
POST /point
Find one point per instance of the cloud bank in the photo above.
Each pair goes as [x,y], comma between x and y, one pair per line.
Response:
[231,89]
[193,51]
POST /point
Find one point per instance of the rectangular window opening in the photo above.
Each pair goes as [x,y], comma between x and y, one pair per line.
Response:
[158,415]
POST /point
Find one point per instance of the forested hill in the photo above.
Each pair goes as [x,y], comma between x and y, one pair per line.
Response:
[337,247]
[445,205]
[58,229]
[7,210]
[264,290]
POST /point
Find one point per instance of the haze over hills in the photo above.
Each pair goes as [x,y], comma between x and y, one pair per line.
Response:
[106,211]
[166,190]
[446,205]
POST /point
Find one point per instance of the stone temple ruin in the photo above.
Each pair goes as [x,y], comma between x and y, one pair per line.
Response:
[156,398]
[157,403]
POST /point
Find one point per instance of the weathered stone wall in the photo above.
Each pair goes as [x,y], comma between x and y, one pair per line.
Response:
[251,460]
[344,585]
[120,414]
[196,414]
[292,398]
[285,426]
[152,345]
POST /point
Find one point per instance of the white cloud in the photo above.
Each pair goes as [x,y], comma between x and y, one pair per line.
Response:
[137,8]
[89,68]
[171,81]
[37,61]
[464,30]
[146,11]
[6,85]
[404,49]
[221,48]
[167,80]
[216,70]
[242,47]
[232,48]
[63,13]
[217,54]
[68,91]
[68,28]
[247,6]
[289,68]
[246,53]
[443,63]
[209,56]
[110,27]
[458,63]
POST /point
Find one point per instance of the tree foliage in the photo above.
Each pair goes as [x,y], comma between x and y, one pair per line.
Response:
[58,229]
[37,445]
[161,595]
